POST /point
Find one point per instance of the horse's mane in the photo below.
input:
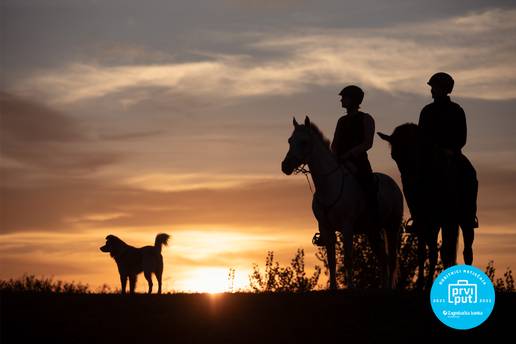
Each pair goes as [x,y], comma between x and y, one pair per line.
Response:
[319,134]
[405,133]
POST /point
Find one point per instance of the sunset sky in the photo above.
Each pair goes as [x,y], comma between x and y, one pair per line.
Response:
[138,117]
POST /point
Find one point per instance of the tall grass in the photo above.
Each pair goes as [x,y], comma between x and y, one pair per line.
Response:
[33,284]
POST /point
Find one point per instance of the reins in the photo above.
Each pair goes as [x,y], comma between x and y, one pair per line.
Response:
[306,172]
[303,170]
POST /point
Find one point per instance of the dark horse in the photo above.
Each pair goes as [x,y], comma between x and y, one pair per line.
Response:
[436,197]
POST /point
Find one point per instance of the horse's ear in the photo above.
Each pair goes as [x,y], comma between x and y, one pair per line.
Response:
[295,122]
[384,136]
[307,122]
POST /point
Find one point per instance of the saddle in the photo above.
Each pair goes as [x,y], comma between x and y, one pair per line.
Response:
[367,222]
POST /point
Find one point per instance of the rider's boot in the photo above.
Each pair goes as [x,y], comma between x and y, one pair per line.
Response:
[322,239]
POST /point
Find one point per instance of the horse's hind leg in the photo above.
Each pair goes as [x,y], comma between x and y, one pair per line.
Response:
[431,239]
[376,240]
[468,234]
[450,234]
[393,243]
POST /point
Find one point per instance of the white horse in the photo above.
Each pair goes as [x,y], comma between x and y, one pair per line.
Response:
[339,203]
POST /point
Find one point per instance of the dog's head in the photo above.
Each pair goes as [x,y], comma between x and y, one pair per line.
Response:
[113,245]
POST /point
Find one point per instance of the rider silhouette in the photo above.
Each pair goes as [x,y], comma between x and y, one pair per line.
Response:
[353,138]
[444,132]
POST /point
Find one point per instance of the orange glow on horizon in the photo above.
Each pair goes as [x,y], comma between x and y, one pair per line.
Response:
[210,280]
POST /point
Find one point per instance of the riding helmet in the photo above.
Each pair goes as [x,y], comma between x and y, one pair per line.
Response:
[442,80]
[354,93]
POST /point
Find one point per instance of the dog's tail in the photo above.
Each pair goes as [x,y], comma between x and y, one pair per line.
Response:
[161,239]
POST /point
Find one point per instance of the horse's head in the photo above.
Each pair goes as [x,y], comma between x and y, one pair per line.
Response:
[404,143]
[301,146]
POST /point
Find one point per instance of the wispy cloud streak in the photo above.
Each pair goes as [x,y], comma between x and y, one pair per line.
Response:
[477,48]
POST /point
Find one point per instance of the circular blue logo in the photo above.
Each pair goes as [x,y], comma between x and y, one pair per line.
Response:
[462,297]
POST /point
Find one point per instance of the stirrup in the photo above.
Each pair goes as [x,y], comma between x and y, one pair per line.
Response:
[317,240]
[410,226]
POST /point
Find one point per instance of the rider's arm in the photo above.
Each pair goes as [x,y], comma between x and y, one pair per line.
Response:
[335,144]
[425,124]
[460,130]
[367,143]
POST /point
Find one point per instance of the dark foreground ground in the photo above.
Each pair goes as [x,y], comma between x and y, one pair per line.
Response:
[359,316]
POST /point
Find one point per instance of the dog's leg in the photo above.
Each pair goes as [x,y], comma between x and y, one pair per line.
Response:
[123,280]
[132,283]
[148,277]
[159,272]
[158,277]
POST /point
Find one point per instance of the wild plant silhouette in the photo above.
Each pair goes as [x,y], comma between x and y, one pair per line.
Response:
[505,284]
[283,279]
[231,280]
[33,284]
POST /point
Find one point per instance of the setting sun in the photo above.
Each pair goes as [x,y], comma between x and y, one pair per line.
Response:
[207,280]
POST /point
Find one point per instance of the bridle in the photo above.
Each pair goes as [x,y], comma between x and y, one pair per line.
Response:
[302,164]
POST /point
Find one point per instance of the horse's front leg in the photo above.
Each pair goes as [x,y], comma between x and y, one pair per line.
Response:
[332,265]
[329,238]
[421,257]
[468,233]
[450,234]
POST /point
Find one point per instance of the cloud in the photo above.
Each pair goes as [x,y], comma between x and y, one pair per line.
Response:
[193,181]
[78,203]
[36,136]
[28,121]
[476,48]
[496,203]
[129,136]
[231,202]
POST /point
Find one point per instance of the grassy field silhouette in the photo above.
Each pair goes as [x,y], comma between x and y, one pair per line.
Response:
[365,315]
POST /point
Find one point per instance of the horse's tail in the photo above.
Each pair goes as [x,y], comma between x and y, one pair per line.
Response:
[161,239]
